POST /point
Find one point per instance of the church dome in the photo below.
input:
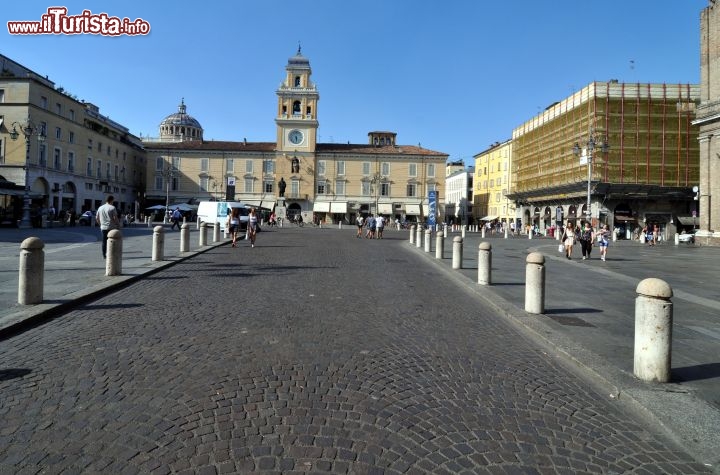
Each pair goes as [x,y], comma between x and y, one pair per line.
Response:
[180,126]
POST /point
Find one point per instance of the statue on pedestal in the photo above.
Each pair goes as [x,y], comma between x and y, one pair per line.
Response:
[281,187]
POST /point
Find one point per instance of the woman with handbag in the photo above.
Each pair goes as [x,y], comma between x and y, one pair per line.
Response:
[568,238]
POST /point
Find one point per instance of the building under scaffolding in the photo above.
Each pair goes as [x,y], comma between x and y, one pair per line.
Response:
[645,176]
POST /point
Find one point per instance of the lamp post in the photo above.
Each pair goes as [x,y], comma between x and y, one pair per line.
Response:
[169,172]
[587,153]
[28,129]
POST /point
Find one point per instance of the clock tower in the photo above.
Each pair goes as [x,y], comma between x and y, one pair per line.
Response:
[297,109]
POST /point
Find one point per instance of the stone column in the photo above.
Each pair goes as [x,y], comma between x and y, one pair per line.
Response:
[535,283]
[31,280]
[158,244]
[484,263]
[113,262]
[653,331]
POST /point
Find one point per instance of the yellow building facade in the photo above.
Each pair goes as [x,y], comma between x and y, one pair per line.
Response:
[492,183]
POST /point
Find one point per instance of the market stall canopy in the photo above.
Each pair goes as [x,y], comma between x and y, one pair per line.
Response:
[321,207]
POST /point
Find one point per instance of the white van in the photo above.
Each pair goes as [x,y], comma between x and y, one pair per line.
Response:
[212,212]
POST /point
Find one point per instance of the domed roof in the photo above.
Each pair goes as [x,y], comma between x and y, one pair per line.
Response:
[298,61]
[181,118]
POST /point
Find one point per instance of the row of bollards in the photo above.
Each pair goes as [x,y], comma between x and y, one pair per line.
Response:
[32,258]
[653,307]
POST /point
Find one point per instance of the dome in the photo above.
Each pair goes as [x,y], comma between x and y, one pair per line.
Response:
[180,126]
[298,61]
[181,118]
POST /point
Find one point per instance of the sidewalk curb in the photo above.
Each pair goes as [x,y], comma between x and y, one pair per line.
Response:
[696,431]
[35,315]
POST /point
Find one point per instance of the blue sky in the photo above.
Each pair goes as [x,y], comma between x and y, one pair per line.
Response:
[454,76]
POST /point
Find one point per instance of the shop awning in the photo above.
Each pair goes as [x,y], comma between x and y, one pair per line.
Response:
[624,219]
[412,210]
[488,218]
[253,202]
[339,207]
[385,208]
[321,207]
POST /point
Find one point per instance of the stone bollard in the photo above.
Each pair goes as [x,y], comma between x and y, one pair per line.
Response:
[113,263]
[653,331]
[148,221]
[457,255]
[339,224]
[482,233]
[428,240]
[418,236]
[158,245]
[535,283]
[506,232]
[203,234]
[530,233]
[484,263]
[31,271]
[216,232]
[462,231]
[412,234]
[197,223]
[439,245]
[185,238]
[677,239]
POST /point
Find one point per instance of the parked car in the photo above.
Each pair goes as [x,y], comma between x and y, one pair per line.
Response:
[87,218]
[687,236]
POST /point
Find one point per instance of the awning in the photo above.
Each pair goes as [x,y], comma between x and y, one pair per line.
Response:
[255,203]
[338,207]
[321,207]
[385,208]
[687,220]
[488,218]
[624,219]
[412,209]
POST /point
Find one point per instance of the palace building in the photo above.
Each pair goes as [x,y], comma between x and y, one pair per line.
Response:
[326,181]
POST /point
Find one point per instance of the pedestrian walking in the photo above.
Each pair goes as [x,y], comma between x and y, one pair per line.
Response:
[568,239]
[359,223]
[586,240]
[602,237]
[233,225]
[176,217]
[107,218]
[252,226]
[379,226]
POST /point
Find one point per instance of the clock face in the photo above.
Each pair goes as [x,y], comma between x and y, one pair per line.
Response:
[295,136]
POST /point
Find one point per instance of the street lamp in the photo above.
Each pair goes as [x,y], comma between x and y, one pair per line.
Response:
[28,129]
[168,173]
[587,153]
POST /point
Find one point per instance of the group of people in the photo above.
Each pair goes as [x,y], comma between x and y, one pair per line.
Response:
[372,225]
[233,225]
[587,237]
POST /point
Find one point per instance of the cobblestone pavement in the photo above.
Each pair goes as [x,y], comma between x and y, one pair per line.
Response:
[313,352]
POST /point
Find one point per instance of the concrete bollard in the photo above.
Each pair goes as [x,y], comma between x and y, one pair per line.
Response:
[418,236]
[113,263]
[197,223]
[412,234]
[462,231]
[677,239]
[439,245]
[653,331]
[457,255]
[158,244]
[506,232]
[148,221]
[203,234]
[216,232]
[445,231]
[185,238]
[339,224]
[484,263]
[482,232]
[31,278]
[428,240]
[530,233]
[535,283]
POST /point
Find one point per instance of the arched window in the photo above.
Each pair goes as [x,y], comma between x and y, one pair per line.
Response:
[296,107]
[297,81]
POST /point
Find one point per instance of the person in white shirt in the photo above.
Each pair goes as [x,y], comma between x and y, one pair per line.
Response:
[107,218]
[379,226]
